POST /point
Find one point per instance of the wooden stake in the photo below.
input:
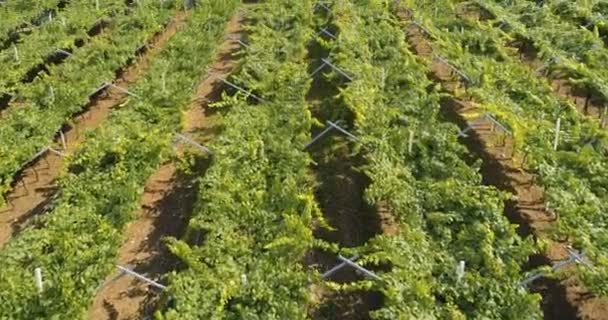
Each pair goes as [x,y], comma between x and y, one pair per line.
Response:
[16,51]
[410,142]
[38,276]
[557,128]
[460,270]
[63,142]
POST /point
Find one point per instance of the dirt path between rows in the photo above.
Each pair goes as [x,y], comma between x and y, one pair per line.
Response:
[340,194]
[167,203]
[565,299]
[36,185]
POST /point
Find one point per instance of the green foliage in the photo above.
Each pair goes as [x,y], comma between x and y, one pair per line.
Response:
[67,26]
[573,177]
[15,15]
[25,130]
[77,242]
[445,215]
[256,205]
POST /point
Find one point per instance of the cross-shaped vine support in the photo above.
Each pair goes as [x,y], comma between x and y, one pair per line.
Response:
[327,62]
[124,90]
[486,117]
[238,40]
[423,28]
[249,94]
[136,275]
[574,257]
[461,74]
[182,138]
[594,20]
[104,86]
[351,263]
[321,5]
[330,126]
[69,54]
[546,65]
[326,32]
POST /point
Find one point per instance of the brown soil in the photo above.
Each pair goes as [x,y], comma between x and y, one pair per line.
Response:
[36,185]
[388,222]
[473,12]
[166,205]
[340,194]
[340,197]
[564,299]
[586,101]
[567,296]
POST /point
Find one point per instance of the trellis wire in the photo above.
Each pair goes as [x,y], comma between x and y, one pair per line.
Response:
[317,70]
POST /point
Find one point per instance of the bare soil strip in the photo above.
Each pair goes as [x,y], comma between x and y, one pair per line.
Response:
[36,184]
[166,205]
[566,297]
[340,197]
[561,299]
[54,58]
[586,101]
[569,292]
[340,194]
